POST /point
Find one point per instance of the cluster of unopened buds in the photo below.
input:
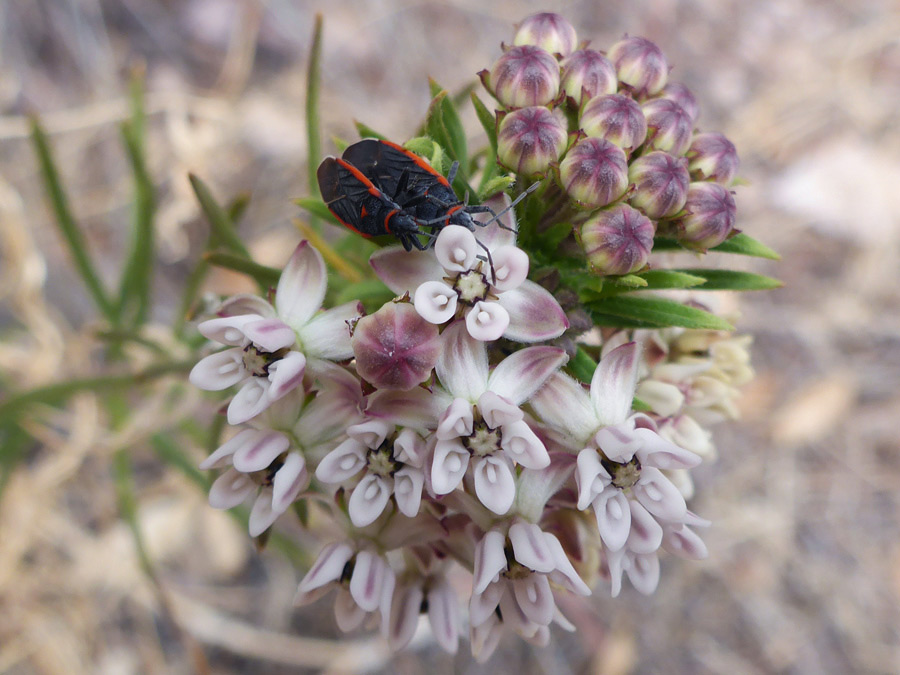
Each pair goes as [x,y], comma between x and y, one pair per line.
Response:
[441,434]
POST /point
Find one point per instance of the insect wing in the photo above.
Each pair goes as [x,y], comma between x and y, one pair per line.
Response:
[344,191]
[384,163]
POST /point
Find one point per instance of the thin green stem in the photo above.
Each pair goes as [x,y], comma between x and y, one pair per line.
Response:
[313,133]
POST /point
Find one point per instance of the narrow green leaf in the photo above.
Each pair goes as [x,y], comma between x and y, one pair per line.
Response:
[456,134]
[317,207]
[365,131]
[371,292]
[124,481]
[659,312]
[658,279]
[582,366]
[553,236]
[733,280]
[66,223]
[744,244]
[340,143]
[238,207]
[488,121]
[640,406]
[265,276]
[14,444]
[434,122]
[221,227]
[629,281]
[313,132]
[171,454]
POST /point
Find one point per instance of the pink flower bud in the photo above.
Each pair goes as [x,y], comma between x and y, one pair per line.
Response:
[523,76]
[708,216]
[617,240]
[586,74]
[660,184]
[713,157]
[549,31]
[594,172]
[529,139]
[676,91]
[640,65]
[616,118]
[669,127]
[395,348]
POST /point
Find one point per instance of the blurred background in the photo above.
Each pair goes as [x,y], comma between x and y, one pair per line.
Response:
[804,567]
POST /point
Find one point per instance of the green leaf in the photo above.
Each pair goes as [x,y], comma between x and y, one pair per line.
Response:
[67,225]
[222,229]
[629,281]
[371,292]
[339,143]
[652,312]
[365,131]
[640,406]
[495,185]
[744,244]
[488,121]
[265,276]
[317,207]
[733,280]
[582,366]
[171,453]
[238,207]
[456,135]
[434,122]
[658,279]
[313,132]
[424,146]
[554,235]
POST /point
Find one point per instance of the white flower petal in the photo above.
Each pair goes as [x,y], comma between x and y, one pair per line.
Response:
[327,334]
[463,364]
[534,314]
[301,287]
[368,499]
[342,463]
[443,614]
[270,335]
[230,489]
[435,302]
[286,374]
[482,605]
[494,236]
[220,457]
[590,476]
[510,268]
[534,597]
[258,451]
[403,271]
[514,618]
[485,637]
[250,401]
[367,581]
[643,572]
[228,330]
[416,408]
[564,573]
[451,460]
[347,614]
[613,518]
[328,567]
[244,303]
[408,483]
[682,541]
[663,398]
[657,451]
[530,546]
[490,560]
[521,444]
[517,377]
[497,411]
[404,614]
[487,321]
[410,448]
[684,432]
[618,442]
[456,248]
[457,420]
[262,516]
[289,480]
[616,562]
[371,433]
[219,371]
[614,381]
[646,534]
[659,496]
[495,484]
[563,403]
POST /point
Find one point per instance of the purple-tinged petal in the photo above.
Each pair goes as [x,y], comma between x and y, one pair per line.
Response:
[657,451]
[659,495]
[482,605]
[563,403]
[435,302]
[456,248]
[404,614]
[228,330]
[487,321]
[418,408]
[289,480]
[497,411]
[692,519]
[490,560]
[463,364]
[682,541]
[521,444]
[534,597]
[244,303]
[494,236]
[643,572]
[495,484]
[451,460]
[517,377]
[230,489]
[220,457]
[371,433]
[457,420]
[564,573]
[613,518]
[534,314]
[342,463]
[262,515]
[410,448]
[367,581]
[368,499]
[303,598]
[347,614]
[408,485]
[327,335]
[328,567]
[614,381]
[219,371]
[250,401]
[335,407]
[403,271]
[443,614]
[530,546]
[616,562]
[301,287]
[510,268]
[485,637]
[590,476]
[269,334]
[618,442]
[257,453]
[387,596]
[514,618]
[646,534]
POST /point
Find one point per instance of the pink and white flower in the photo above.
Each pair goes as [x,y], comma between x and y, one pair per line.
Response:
[458,280]
[483,426]
[269,346]
[412,593]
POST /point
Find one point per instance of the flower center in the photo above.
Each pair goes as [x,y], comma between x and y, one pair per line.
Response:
[484,440]
[472,286]
[381,462]
[624,475]
[257,362]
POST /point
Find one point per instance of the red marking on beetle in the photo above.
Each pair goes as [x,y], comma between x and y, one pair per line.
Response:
[361,177]
[387,219]
[420,161]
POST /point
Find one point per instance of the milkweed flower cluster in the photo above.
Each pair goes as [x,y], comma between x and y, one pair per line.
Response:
[498,419]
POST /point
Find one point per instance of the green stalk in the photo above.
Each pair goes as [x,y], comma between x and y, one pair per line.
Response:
[313,133]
